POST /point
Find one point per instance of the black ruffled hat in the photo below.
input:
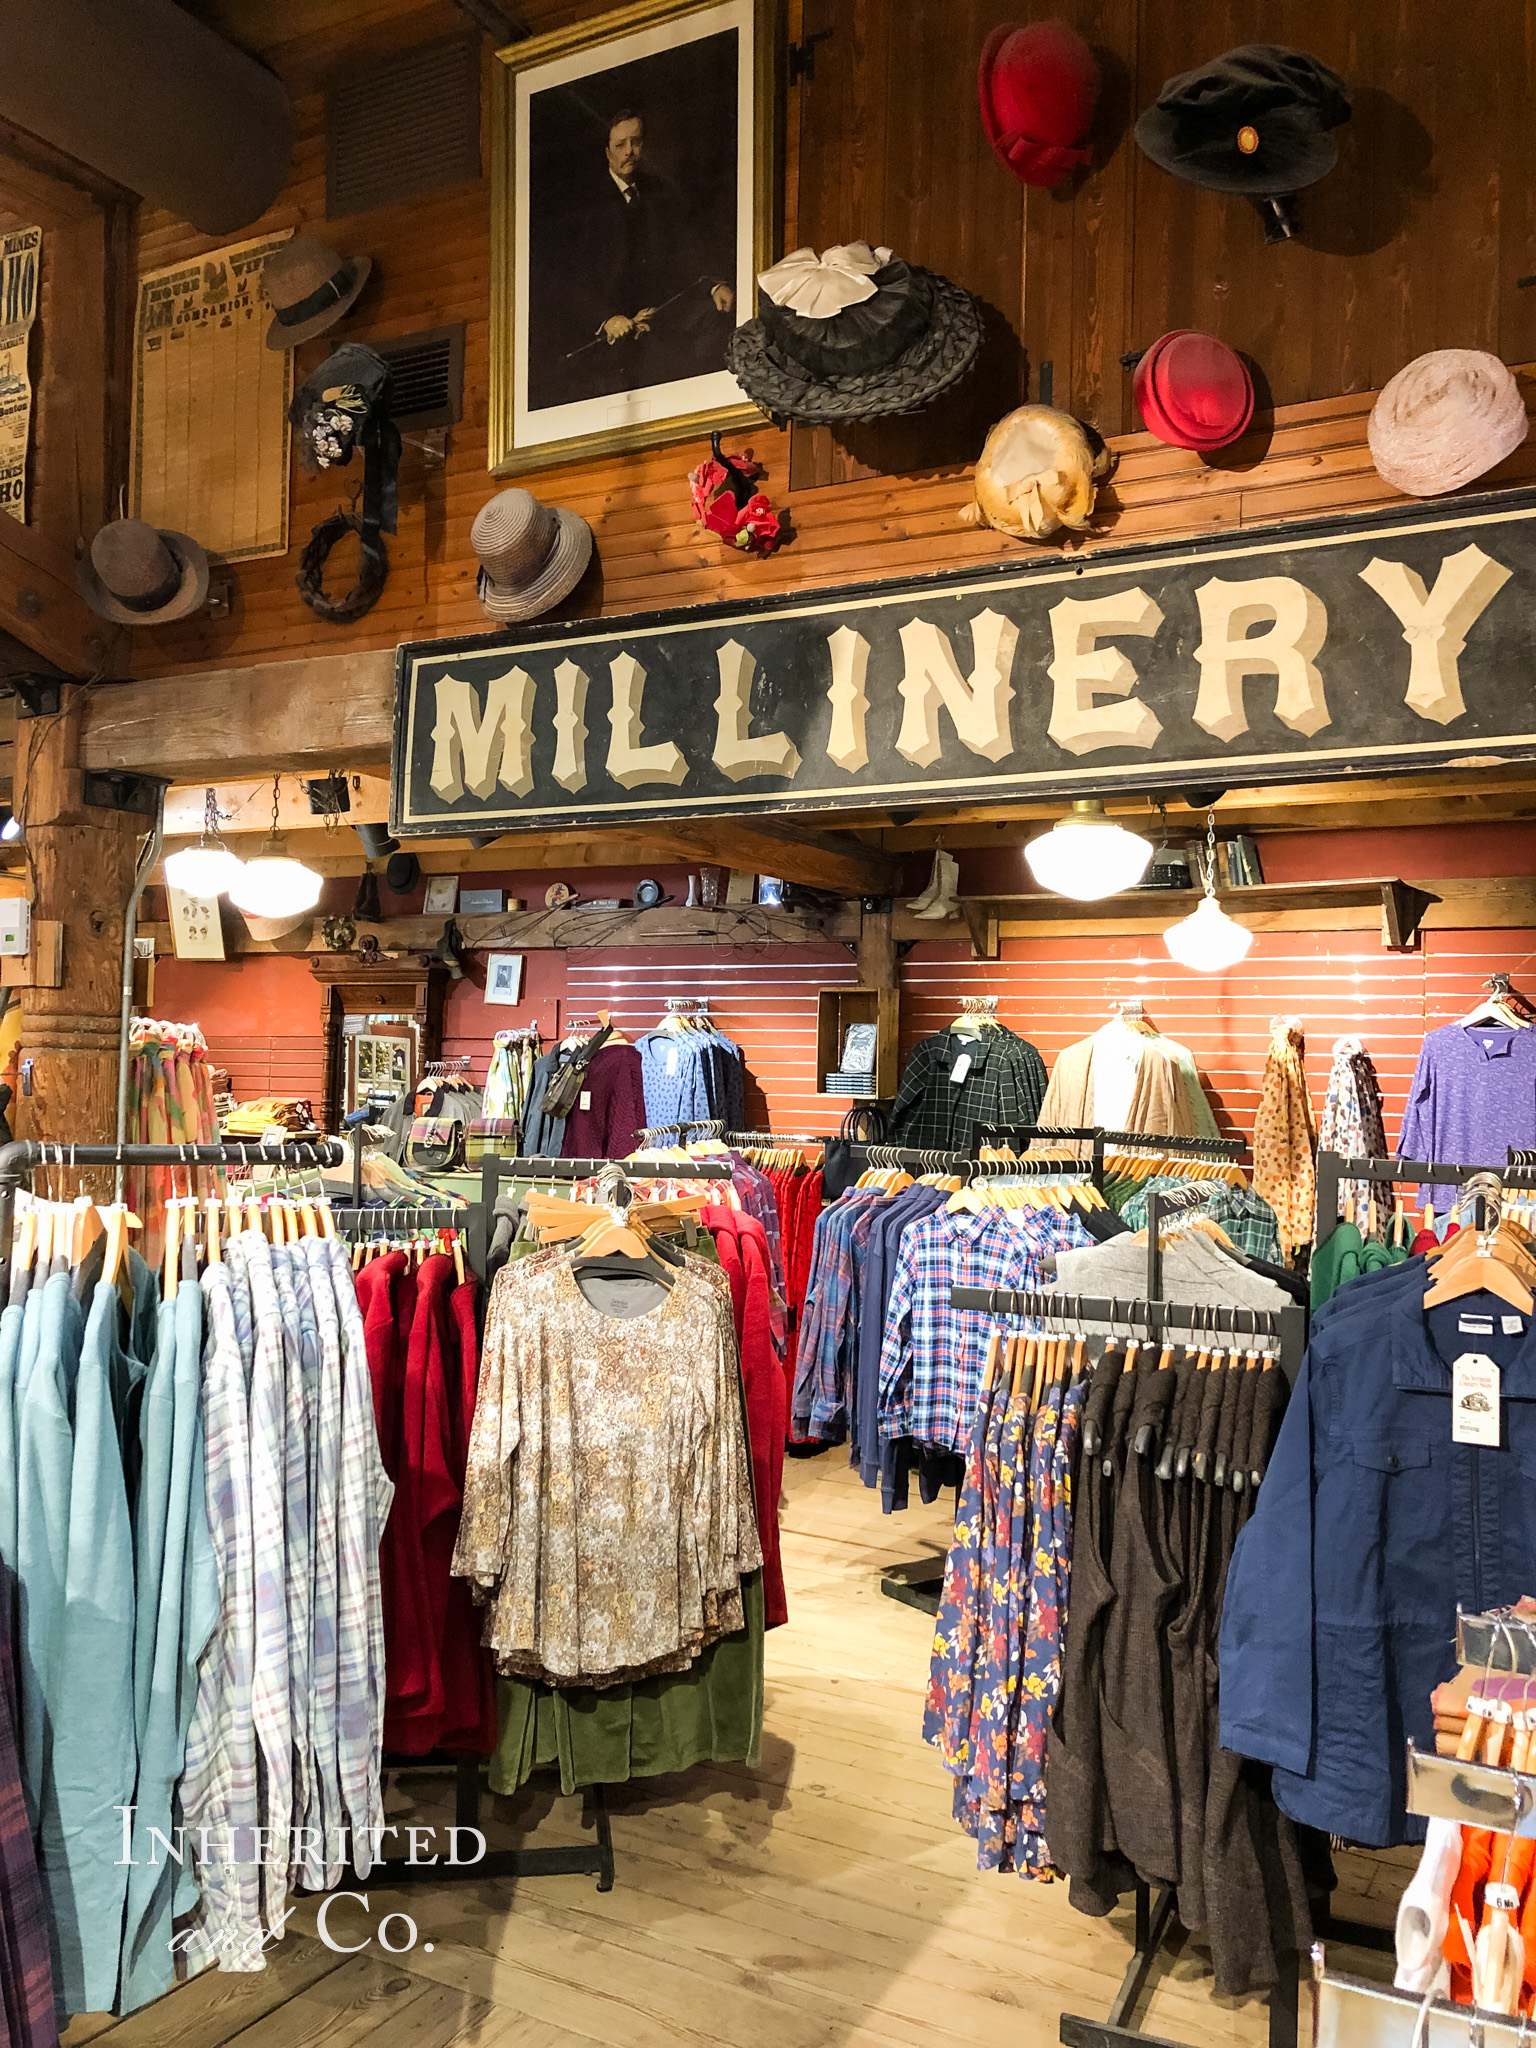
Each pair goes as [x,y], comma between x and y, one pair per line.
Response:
[894,351]
[1255,121]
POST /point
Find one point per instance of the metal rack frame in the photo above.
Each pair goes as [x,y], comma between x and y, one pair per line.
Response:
[1518,1171]
[495,1168]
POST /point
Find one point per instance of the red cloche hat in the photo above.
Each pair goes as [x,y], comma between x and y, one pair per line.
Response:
[1192,391]
[1038,87]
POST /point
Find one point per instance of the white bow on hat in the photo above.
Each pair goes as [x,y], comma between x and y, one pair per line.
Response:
[817,287]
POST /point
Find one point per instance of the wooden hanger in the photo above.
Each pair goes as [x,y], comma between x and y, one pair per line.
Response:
[1497,1263]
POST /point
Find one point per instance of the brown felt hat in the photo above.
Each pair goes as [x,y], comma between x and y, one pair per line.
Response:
[531,555]
[143,575]
[309,287]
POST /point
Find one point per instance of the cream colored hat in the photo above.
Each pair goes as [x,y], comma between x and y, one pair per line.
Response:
[531,555]
[1444,419]
[1039,471]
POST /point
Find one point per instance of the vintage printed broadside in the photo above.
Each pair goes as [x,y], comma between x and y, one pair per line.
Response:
[210,404]
[21,253]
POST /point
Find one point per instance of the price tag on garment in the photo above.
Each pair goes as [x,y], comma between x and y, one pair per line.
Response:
[585,1101]
[961,1068]
[671,1059]
[1475,1400]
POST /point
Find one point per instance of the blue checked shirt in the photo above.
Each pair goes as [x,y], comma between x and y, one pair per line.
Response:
[930,1362]
[830,1298]
[1242,1213]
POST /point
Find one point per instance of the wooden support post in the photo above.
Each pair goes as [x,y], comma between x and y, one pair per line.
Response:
[878,970]
[80,860]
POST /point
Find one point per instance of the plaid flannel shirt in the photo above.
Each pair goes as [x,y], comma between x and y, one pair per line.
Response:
[930,1362]
[1004,1084]
[1242,1213]
[818,1406]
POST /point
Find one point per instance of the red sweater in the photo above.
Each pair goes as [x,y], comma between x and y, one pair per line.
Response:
[743,1247]
[613,1088]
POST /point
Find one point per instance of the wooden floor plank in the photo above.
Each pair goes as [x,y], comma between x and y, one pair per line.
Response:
[218,2005]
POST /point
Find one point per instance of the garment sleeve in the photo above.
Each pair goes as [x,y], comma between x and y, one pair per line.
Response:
[480,1550]
[1267,1651]
[914,1086]
[896,1346]
[1417,1140]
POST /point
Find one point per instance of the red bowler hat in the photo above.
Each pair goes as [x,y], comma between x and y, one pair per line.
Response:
[1038,87]
[1192,391]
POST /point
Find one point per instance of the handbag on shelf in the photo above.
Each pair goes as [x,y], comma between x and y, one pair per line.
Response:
[436,1144]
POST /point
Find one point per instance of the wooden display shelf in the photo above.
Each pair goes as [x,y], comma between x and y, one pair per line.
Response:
[1398,907]
[836,1009]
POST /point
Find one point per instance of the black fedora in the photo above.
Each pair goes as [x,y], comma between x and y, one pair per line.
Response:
[1256,121]
[885,337]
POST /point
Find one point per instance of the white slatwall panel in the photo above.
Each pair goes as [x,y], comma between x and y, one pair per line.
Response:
[766,1002]
[1055,991]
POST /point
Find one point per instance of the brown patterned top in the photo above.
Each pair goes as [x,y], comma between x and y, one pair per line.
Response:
[608,1514]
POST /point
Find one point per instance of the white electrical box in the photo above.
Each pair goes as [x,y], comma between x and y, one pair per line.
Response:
[15,925]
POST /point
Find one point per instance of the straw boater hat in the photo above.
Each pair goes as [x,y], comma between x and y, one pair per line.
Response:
[852,334]
[531,555]
[142,575]
[273,930]
[1444,419]
[309,287]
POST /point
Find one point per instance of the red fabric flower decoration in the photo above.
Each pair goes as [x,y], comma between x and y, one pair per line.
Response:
[726,504]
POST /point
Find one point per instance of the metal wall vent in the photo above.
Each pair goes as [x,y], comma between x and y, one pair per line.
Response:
[426,382]
[402,125]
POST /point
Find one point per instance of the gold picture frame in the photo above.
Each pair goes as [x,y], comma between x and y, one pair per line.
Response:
[533,423]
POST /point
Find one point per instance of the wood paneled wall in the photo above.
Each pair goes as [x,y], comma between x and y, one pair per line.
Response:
[1417,240]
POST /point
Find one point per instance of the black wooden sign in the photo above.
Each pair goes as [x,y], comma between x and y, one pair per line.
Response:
[1358,646]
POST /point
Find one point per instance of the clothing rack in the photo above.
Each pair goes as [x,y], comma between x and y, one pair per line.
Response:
[1187,1148]
[1286,1326]
[494,1169]
[1049,1134]
[967,1163]
[1160,1208]
[578,1860]
[453,1063]
[1518,1171]
[777,1137]
[1347,2012]
[24,1155]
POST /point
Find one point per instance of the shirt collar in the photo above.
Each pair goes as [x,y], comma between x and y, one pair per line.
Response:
[1418,1368]
[1493,1041]
[625,186]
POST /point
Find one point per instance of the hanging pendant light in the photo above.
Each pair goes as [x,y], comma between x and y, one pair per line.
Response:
[1086,856]
[1208,940]
[272,885]
[209,868]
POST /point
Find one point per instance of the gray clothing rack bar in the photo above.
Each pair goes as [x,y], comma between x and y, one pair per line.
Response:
[494,1169]
[1519,1171]
[1288,1325]
[24,1155]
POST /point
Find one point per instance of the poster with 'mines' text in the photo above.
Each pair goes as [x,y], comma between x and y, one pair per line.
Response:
[21,251]
[210,403]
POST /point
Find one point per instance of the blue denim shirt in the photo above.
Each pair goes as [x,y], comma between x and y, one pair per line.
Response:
[1371,1528]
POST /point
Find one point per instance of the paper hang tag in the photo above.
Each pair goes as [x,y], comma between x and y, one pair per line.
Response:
[671,1059]
[585,1101]
[961,1068]
[1475,1400]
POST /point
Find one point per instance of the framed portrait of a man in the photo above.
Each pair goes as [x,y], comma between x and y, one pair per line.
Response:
[633,184]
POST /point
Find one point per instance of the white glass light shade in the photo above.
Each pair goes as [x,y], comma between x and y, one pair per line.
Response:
[272,885]
[1086,856]
[1208,940]
[204,870]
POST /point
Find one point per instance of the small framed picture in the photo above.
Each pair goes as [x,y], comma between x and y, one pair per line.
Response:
[770,892]
[442,896]
[196,933]
[504,978]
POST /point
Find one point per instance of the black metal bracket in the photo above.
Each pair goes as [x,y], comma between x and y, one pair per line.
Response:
[1402,912]
[802,56]
[330,796]
[36,696]
[137,794]
[1153,1928]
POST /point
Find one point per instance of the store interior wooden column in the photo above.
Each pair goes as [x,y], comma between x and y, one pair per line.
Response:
[80,863]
